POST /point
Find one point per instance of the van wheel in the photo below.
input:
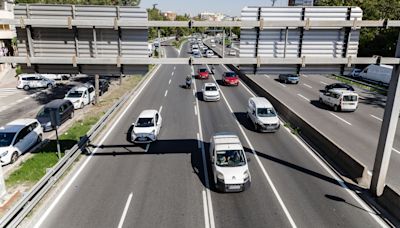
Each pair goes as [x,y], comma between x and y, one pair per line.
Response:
[71,115]
[81,107]
[39,139]
[14,157]
[26,87]
[335,108]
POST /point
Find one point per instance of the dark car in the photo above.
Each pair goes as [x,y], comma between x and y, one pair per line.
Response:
[289,78]
[103,85]
[64,110]
[341,86]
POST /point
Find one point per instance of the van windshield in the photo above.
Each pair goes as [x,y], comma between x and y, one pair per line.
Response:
[6,138]
[266,112]
[74,94]
[349,98]
[230,158]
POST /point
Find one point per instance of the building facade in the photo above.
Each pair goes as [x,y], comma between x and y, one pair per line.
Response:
[171,16]
[7,33]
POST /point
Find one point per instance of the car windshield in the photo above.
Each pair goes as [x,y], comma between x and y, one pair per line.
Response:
[6,138]
[203,70]
[349,98]
[211,88]
[230,75]
[292,76]
[230,158]
[266,112]
[44,112]
[74,94]
[145,122]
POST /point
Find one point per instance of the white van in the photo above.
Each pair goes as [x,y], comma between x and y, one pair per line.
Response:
[263,115]
[377,73]
[229,163]
[339,100]
[81,95]
[33,81]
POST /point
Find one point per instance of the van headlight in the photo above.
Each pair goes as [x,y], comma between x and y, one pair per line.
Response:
[220,176]
[246,176]
[4,153]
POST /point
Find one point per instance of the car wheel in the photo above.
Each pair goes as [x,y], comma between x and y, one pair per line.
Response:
[14,157]
[26,87]
[39,139]
[285,81]
[81,106]
[335,108]
[71,115]
[49,86]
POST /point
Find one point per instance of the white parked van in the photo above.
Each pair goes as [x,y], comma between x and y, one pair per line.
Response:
[377,73]
[81,95]
[229,163]
[339,100]
[263,115]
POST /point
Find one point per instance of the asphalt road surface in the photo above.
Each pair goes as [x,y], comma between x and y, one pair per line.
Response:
[165,184]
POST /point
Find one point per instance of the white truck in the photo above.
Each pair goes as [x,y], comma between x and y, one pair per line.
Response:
[229,163]
[380,74]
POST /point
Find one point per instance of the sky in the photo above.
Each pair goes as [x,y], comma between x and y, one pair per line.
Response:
[194,7]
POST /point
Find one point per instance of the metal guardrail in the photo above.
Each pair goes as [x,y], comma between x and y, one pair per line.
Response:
[17,213]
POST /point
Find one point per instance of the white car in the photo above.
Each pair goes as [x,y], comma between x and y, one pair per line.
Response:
[81,95]
[147,127]
[339,100]
[33,81]
[209,54]
[263,115]
[229,163]
[210,92]
[213,45]
[17,137]
[232,52]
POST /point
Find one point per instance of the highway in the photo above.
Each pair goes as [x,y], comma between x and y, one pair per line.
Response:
[166,184]
[356,132]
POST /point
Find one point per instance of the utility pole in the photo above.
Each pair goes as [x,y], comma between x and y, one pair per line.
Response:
[388,130]
[96,87]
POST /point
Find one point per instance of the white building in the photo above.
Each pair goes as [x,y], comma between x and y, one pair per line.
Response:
[208,16]
[7,32]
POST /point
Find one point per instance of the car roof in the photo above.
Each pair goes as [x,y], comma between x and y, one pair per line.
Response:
[56,103]
[148,113]
[210,84]
[261,102]
[344,92]
[16,125]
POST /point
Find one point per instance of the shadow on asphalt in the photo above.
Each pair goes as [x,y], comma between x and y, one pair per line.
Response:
[341,200]
[320,105]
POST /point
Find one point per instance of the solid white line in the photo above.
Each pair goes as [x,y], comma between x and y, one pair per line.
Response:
[340,118]
[198,141]
[205,208]
[147,148]
[375,117]
[283,206]
[305,98]
[282,85]
[68,185]
[210,214]
[195,110]
[307,85]
[166,92]
[159,110]
[339,180]
[267,76]
[323,83]
[395,150]
[128,202]
[169,82]
[194,93]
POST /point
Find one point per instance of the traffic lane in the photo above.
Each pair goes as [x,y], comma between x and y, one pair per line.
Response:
[353,142]
[255,207]
[218,47]
[307,189]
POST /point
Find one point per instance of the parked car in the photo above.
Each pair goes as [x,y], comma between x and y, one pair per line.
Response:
[232,52]
[63,108]
[209,53]
[147,127]
[210,92]
[33,81]
[229,163]
[339,100]
[104,84]
[355,73]
[263,115]
[56,76]
[339,86]
[203,73]
[289,78]
[230,78]
[81,95]
[17,137]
